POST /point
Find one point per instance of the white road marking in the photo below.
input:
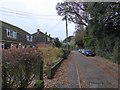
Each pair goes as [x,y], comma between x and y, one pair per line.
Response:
[78,76]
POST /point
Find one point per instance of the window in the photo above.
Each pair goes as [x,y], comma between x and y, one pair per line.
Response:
[29,38]
[11,33]
[0,34]
[3,45]
[48,39]
[12,45]
[8,32]
[15,35]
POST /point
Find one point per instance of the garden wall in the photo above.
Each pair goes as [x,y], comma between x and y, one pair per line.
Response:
[53,69]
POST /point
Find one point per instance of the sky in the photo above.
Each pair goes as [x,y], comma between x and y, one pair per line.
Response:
[31,15]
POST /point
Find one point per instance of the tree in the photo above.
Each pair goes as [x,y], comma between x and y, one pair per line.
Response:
[79,37]
[57,43]
[102,24]
[74,12]
[104,21]
[68,39]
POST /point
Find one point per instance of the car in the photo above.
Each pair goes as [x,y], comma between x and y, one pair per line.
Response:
[82,51]
[89,53]
[79,50]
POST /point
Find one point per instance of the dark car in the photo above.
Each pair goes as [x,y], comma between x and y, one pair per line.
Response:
[89,53]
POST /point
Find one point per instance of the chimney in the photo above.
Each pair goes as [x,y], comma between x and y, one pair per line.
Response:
[49,35]
[38,30]
[45,33]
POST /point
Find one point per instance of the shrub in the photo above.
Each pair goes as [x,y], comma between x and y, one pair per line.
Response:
[50,55]
[19,67]
[39,84]
[66,53]
[116,52]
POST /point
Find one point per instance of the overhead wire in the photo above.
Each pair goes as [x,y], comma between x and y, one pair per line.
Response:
[55,25]
[22,14]
[16,12]
[29,17]
[26,14]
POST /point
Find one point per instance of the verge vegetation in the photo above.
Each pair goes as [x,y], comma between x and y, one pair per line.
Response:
[50,55]
[20,67]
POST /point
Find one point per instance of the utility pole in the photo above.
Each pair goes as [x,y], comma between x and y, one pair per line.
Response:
[66,31]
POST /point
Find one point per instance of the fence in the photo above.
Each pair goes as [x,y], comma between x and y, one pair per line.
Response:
[53,69]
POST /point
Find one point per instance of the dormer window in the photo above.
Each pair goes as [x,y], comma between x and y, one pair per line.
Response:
[11,34]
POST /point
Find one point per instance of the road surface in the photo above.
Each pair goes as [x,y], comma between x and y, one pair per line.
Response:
[79,71]
[91,72]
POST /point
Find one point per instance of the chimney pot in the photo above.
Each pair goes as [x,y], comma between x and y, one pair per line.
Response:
[38,30]
[46,33]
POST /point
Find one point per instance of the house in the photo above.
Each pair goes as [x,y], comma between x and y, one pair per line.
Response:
[42,39]
[69,41]
[14,37]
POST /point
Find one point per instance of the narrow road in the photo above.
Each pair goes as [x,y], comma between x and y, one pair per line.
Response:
[91,72]
[79,71]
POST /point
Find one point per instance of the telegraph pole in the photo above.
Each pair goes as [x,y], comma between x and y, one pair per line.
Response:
[66,31]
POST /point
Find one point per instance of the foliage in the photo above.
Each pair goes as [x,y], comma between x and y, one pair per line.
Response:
[50,55]
[74,12]
[68,39]
[105,21]
[89,43]
[102,25]
[79,38]
[20,67]
[66,53]
[116,51]
[57,43]
[39,84]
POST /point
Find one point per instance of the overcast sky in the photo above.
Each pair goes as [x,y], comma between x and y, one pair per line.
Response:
[33,14]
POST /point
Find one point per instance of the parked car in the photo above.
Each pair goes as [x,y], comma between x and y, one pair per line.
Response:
[79,50]
[89,53]
[82,51]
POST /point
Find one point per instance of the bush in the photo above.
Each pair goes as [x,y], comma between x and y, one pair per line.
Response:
[50,55]
[39,84]
[116,52]
[66,53]
[118,58]
[19,67]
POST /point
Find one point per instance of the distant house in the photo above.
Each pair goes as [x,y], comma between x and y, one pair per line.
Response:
[15,37]
[42,39]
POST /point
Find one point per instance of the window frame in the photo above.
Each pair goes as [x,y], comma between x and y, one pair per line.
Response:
[3,45]
[29,38]
[11,33]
